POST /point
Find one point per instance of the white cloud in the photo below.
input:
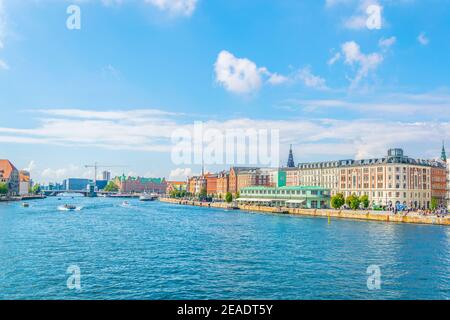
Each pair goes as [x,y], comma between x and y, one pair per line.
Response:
[365,63]
[387,43]
[31,166]
[355,22]
[176,7]
[368,16]
[238,75]
[422,38]
[119,130]
[311,80]
[180,174]
[392,105]
[242,76]
[334,59]
[58,174]
[323,137]
[276,79]
[3,65]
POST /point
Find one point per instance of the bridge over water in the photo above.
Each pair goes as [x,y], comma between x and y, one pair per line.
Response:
[86,193]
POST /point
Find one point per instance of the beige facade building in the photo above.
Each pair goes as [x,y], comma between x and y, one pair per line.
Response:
[393,179]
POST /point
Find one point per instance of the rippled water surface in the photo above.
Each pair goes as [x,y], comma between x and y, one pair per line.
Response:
[160,251]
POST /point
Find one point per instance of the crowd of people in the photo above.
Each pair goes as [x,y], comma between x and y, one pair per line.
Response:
[441,211]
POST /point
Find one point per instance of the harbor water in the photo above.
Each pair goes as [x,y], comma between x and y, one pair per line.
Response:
[153,250]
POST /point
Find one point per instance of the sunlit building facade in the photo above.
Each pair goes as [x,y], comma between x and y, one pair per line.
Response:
[390,180]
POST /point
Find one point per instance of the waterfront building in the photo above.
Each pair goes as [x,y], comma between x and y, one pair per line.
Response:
[24,182]
[76,184]
[100,184]
[223,183]
[242,177]
[448,183]
[292,197]
[191,185]
[140,184]
[53,186]
[10,176]
[393,179]
[292,176]
[211,183]
[106,175]
[196,184]
[439,183]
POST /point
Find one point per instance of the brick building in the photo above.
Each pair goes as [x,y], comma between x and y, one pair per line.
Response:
[140,184]
[10,176]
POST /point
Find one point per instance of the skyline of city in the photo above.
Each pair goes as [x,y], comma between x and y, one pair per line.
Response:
[288,162]
[342,91]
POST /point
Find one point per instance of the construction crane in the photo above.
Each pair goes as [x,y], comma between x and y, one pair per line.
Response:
[96,166]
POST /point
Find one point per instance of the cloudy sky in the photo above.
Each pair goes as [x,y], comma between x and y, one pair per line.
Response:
[336,81]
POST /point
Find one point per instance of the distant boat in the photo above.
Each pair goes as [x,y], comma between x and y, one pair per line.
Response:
[25,205]
[70,207]
[125,203]
[148,197]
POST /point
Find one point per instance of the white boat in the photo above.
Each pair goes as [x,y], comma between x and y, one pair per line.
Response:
[70,207]
[148,197]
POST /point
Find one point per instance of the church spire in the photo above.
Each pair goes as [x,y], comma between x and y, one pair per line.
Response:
[290,163]
[443,153]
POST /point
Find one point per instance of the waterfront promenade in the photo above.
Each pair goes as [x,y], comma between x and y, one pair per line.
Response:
[367,215]
[22,198]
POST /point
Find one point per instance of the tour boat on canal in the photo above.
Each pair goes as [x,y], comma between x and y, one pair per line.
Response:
[148,197]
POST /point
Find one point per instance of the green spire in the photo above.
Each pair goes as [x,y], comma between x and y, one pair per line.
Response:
[443,154]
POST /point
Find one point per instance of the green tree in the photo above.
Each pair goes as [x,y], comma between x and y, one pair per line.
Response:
[228,197]
[111,187]
[337,201]
[364,199]
[36,189]
[3,188]
[177,194]
[238,194]
[434,203]
[353,202]
[203,194]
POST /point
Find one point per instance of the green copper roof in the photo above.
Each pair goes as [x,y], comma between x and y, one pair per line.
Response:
[142,180]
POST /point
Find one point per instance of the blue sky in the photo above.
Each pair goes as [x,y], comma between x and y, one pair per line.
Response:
[137,70]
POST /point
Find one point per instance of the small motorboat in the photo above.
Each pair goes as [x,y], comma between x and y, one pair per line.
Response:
[148,197]
[125,203]
[70,207]
[25,205]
